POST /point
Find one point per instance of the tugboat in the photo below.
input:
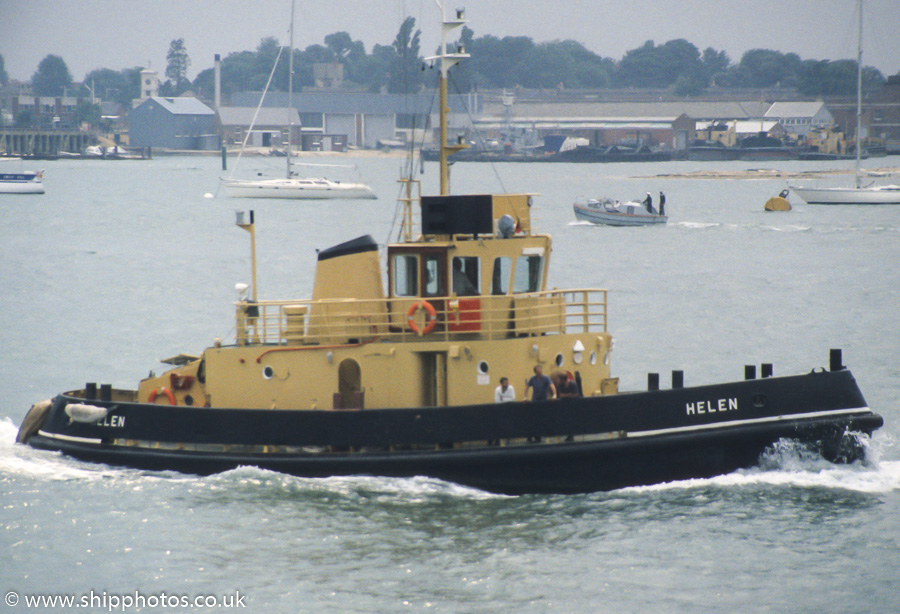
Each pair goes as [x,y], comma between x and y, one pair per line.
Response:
[400,380]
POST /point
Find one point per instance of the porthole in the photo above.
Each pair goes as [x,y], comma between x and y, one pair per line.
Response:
[559,360]
[483,367]
[268,372]
[593,358]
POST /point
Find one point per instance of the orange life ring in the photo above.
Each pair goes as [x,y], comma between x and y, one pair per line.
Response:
[158,391]
[431,318]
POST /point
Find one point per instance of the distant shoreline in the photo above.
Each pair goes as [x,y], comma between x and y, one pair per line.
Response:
[768,173]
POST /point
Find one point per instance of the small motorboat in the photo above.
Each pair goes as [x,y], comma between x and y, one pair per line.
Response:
[615,213]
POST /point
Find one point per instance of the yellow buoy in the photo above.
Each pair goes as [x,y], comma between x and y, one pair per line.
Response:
[779,203]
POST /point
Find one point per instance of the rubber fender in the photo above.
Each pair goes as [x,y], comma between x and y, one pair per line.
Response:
[34,420]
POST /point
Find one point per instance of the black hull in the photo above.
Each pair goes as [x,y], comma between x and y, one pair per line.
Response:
[564,446]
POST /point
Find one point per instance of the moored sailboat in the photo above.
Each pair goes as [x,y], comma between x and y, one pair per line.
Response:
[21,182]
[292,186]
[858,194]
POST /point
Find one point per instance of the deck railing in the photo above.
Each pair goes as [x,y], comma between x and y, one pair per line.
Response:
[407,319]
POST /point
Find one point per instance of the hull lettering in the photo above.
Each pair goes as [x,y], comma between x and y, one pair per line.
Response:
[711,407]
[117,422]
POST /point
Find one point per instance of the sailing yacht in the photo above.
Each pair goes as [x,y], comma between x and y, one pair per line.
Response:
[858,195]
[308,188]
[292,186]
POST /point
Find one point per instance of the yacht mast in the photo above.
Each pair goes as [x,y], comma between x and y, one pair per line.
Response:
[447,60]
[859,53]
[290,117]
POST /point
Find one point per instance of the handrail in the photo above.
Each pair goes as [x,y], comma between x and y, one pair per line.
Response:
[353,321]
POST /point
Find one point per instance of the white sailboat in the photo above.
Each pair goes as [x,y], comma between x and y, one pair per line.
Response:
[307,188]
[859,194]
[21,182]
[291,186]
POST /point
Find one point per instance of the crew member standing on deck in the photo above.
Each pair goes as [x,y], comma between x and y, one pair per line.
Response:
[541,385]
[565,387]
[504,392]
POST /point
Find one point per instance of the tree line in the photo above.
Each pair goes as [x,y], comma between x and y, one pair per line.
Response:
[676,65]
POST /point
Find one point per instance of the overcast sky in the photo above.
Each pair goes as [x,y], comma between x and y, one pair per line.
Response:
[119,34]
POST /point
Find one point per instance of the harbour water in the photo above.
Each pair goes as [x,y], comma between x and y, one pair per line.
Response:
[123,263]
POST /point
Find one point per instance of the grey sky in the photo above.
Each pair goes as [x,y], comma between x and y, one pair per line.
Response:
[119,34]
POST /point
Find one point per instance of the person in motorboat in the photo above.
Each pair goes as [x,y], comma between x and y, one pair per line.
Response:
[648,204]
[662,203]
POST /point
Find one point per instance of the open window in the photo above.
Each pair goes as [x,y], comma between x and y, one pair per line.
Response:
[527,278]
[406,275]
[500,276]
[434,279]
[466,276]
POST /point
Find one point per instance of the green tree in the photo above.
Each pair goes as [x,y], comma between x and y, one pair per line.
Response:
[872,80]
[652,66]
[24,118]
[546,65]
[238,73]
[266,53]
[838,78]
[497,62]
[132,78]
[406,69]
[108,84]
[715,65]
[52,77]
[377,67]
[351,53]
[204,84]
[85,111]
[765,68]
[177,66]
[639,67]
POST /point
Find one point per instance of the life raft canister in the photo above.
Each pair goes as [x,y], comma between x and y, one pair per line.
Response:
[431,317]
[169,395]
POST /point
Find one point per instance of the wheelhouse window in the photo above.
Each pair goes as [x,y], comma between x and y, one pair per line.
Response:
[500,276]
[434,283]
[406,275]
[528,274]
[466,276]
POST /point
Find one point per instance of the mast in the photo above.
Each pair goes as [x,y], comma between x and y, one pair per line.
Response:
[290,118]
[447,60]
[859,52]
[251,228]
